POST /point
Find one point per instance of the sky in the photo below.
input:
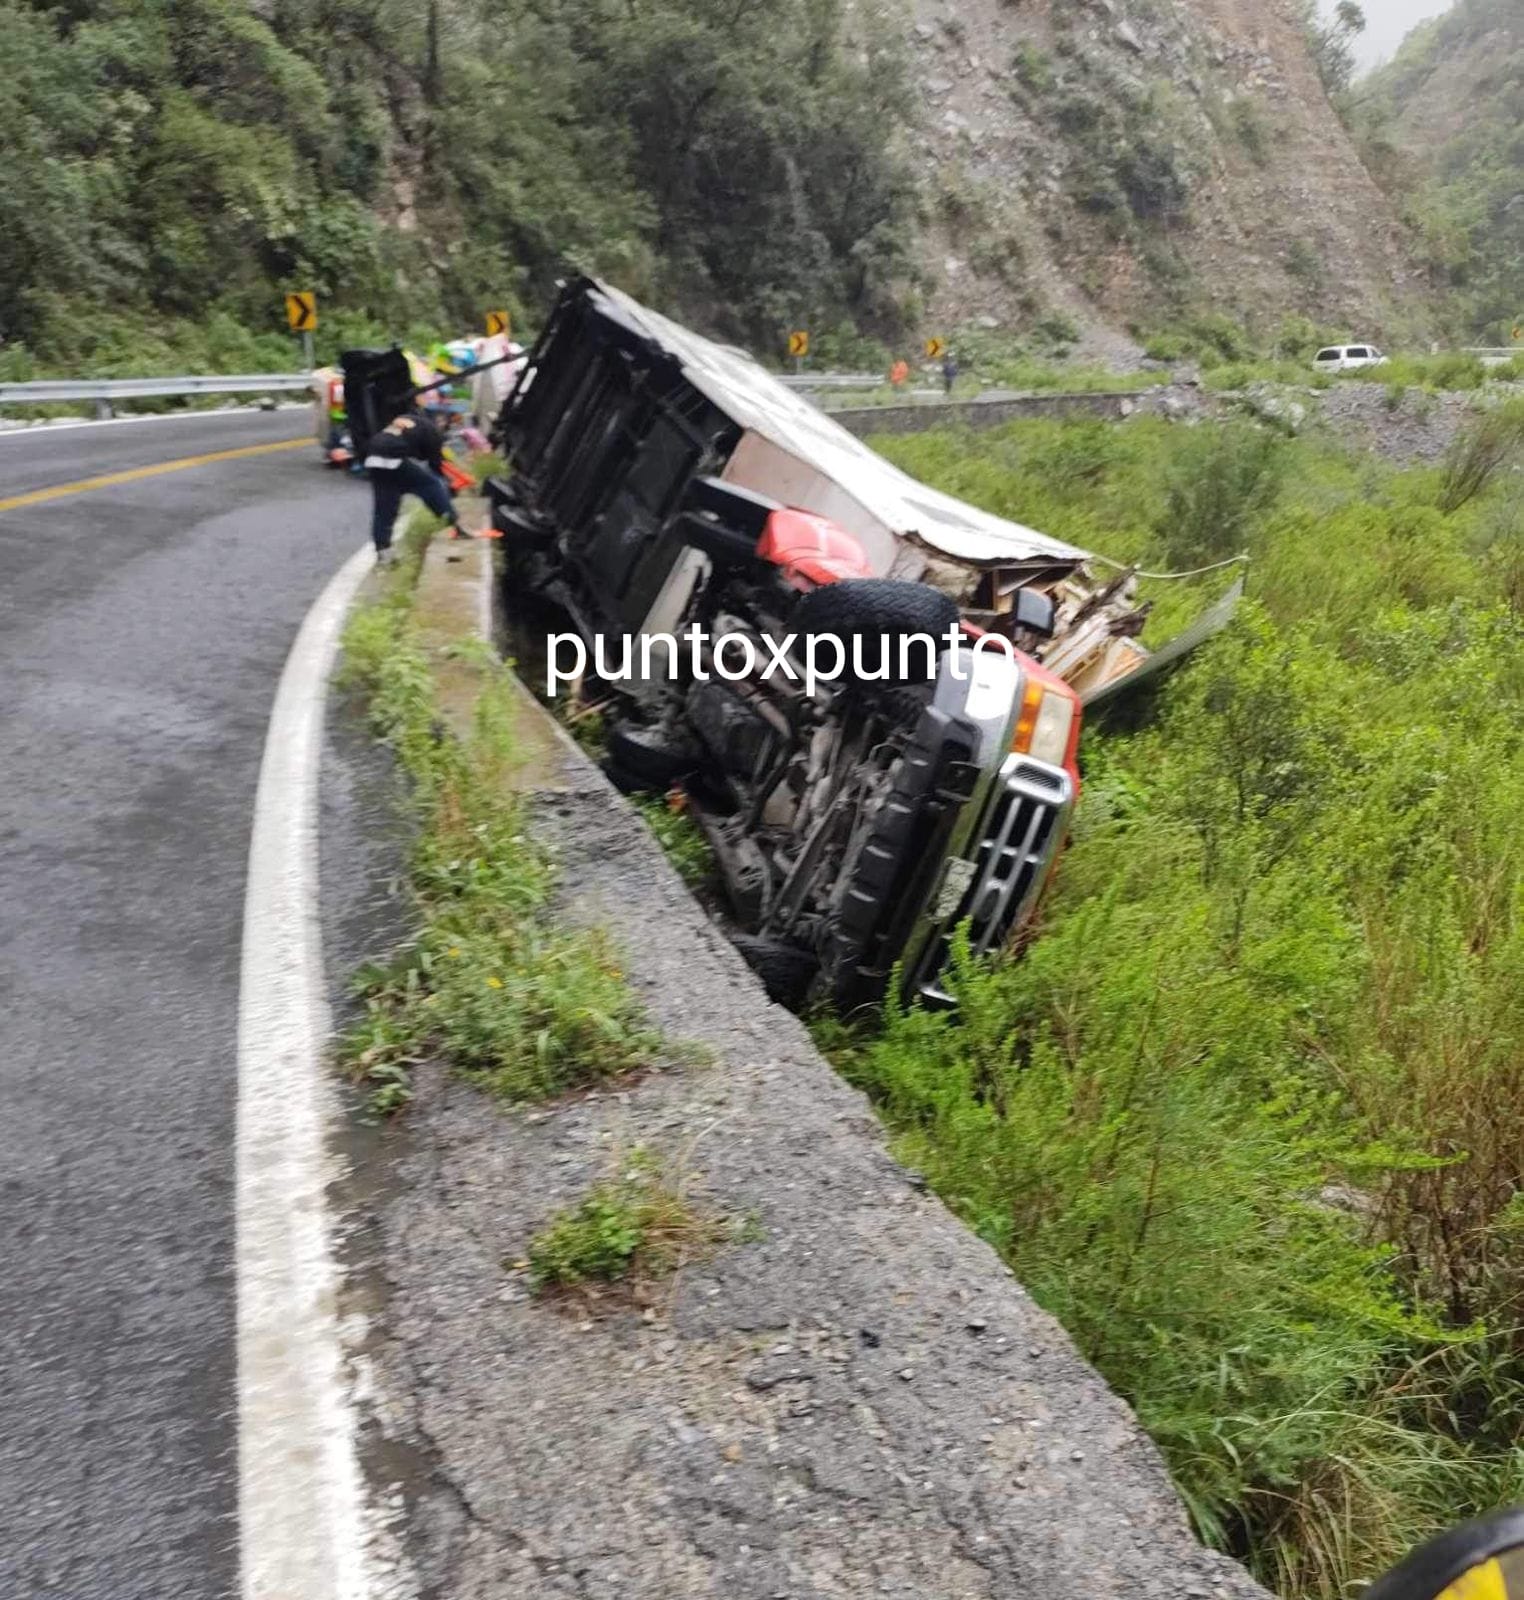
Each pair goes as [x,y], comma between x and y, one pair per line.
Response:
[1387,24]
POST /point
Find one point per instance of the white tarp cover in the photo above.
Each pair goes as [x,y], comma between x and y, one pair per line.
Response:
[904,508]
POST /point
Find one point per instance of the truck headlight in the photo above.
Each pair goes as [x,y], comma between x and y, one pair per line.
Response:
[1045,723]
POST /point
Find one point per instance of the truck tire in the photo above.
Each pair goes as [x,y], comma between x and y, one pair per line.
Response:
[892,871]
[879,612]
[641,758]
[785,970]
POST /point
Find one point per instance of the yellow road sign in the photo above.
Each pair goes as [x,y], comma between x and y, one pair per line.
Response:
[301,311]
[799,343]
[935,349]
[497,323]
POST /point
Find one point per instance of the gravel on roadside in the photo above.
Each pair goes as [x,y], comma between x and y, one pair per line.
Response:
[1412,428]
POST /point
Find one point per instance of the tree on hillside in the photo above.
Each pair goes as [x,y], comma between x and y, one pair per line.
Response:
[1333,45]
[741,162]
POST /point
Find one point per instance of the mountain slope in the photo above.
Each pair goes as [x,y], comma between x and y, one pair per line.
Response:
[1129,160]
[1045,167]
[1446,117]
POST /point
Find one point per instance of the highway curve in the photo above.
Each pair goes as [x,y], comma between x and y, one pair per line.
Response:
[143,626]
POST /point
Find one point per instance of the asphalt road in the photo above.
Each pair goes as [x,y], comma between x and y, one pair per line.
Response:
[143,626]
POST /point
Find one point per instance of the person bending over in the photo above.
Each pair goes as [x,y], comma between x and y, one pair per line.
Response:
[406,457]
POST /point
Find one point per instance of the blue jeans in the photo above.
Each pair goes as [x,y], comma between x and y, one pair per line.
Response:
[389,485]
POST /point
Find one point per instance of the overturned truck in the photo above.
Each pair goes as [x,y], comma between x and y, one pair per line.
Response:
[667,488]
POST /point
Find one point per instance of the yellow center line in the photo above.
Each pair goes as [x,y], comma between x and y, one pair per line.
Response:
[36,497]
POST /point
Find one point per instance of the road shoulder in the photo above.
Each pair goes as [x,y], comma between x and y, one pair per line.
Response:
[851,1398]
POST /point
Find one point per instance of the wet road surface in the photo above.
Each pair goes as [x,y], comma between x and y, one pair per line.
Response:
[143,627]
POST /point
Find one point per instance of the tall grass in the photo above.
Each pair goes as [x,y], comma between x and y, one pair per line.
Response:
[489,984]
[1493,441]
[1249,1115]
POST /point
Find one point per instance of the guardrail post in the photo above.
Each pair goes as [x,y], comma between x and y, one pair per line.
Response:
[103,411]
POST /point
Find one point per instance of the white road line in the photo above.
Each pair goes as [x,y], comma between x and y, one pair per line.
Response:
[300,1502]
[41,430]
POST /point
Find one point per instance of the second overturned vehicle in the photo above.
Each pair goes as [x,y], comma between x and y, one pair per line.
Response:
[665,488]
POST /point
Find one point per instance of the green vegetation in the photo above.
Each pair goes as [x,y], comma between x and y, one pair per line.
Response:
[1217,485]
[1251,129]
[1248,1117]
[1034,360]
[1443,129]
[1230,356]
[1134,166]
[1043,376]
[1211,339]
[1303,262]
[1241,374]
[172,165]
[1033,67]
[1453,370]
[489,984]
[1491,444]
[1332,40]
[638,1225]
[679,836]
[1130,146]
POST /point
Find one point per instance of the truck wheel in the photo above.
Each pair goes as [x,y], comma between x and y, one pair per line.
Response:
[642,758]
[785,970]
[892,871]
[879,612]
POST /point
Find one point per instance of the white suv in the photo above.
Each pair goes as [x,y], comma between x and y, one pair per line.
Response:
[1348,358]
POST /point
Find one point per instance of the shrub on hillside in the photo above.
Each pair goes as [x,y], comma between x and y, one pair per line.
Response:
[1480,452]
[1456,370]
[1219,484]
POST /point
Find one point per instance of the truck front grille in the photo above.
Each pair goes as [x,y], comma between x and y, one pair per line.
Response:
[1026,819]
[1029,809]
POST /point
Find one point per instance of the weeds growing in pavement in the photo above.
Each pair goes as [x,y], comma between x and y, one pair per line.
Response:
[584,721]
[640,1224]
[488,984]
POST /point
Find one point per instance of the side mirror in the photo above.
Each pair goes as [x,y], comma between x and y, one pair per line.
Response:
[1482,1560]
[1034,613]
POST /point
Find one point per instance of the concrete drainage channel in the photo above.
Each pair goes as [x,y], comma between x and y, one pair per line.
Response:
[851,1398]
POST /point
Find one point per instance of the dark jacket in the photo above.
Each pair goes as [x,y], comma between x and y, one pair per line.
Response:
[410,438]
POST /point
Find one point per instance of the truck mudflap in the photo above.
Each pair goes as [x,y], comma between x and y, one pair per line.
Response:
[1025,823]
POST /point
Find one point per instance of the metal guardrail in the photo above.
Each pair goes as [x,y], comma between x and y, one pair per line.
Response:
[102,391]
[832,380]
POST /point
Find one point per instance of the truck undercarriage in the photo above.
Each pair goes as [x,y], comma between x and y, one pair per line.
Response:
[664,487]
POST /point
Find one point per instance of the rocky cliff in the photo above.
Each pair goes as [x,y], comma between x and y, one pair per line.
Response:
[1127,162]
